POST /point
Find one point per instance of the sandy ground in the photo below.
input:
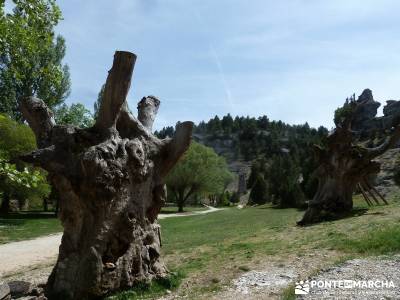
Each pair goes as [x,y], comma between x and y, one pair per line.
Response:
[40,253]
[16,256]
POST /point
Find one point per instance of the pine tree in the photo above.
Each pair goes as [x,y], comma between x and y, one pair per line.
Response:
[259,192]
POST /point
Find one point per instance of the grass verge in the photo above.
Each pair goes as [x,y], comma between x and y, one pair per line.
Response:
[174,209]
[23,226]
[156,288]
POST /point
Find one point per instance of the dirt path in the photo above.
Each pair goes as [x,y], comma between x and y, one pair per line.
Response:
[19,255]
[41,252]
[185,214]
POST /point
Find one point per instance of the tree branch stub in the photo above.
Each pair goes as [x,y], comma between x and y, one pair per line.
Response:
[116,89]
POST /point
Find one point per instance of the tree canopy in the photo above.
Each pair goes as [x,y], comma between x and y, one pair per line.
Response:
[31,55]
[201,171]
[15,138]
[75,114]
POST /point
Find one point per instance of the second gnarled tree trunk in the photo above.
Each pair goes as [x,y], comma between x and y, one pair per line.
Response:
[111,182]
[342,165]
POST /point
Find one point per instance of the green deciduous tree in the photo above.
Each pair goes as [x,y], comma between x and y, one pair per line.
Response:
[75,114]
[20,184]
[18,180]
[200,171]
[15,138]
[31,55]
[97,104]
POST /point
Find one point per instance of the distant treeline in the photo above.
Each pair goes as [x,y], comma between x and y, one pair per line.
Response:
[255,137]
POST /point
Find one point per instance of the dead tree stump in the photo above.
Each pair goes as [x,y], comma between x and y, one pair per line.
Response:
[110,178]
[343,163]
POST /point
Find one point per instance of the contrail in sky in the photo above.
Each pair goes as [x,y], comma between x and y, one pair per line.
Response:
[218,64]
[222,75]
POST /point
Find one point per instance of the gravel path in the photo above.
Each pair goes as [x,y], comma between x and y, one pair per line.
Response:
[269,284]
[371,278]
[38,253]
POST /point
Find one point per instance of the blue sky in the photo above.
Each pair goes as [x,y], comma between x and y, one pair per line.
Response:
[294,60]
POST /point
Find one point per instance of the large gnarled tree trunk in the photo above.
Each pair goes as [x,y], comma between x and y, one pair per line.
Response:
[342,165]
[111,183]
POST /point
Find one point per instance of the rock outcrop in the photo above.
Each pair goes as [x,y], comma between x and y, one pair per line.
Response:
[365,121]
[384,180]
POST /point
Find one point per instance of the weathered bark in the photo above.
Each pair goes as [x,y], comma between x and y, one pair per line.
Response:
[148,108]
[110,179]
[343,164]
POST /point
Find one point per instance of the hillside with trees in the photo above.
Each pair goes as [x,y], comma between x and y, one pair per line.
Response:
[281,155]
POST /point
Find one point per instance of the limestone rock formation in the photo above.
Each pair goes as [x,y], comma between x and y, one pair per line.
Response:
[110,178]
[365,120]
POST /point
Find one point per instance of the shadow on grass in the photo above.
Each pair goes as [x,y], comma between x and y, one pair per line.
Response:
[28,215]
[169,212]
[356,212]
[272,206]
[18,219]
[151,290]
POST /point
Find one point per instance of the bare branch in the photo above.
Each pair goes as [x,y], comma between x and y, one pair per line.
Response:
[116,89]
[147,111]
[177,146]
[45,158]
[40,119]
